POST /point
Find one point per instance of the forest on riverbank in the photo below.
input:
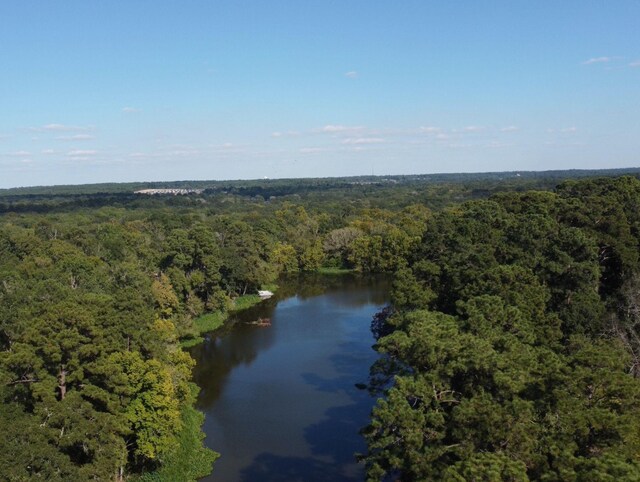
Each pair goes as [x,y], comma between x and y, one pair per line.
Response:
[510,349]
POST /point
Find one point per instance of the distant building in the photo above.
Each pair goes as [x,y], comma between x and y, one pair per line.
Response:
[172,192]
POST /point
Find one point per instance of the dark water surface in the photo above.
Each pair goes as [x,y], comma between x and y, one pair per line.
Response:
[280,401]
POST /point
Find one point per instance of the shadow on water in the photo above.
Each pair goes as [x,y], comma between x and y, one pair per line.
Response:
[334,440]
[338,434]
[273,468]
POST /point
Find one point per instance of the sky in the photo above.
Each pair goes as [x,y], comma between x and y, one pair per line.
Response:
[116,91]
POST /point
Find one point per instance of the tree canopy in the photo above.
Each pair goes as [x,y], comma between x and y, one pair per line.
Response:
[508,354]
[510,351]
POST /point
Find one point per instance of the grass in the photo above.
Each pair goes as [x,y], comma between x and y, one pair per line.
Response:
[210,321]
[191,460]
[244,302]
[204,324]
[192,341]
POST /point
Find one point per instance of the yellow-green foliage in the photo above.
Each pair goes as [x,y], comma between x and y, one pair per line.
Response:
[190,460]
[284,257]
[153,410]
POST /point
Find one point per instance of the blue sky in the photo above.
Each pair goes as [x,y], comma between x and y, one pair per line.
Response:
[103,91]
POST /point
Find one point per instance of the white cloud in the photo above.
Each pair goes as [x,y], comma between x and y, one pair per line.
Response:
[82,152]
[564,130]
[285,134]
[597,60]
[430,129]
[635,63]
[76,137]
[510,129]
[498,145]
[21,153]
[357,149]
[334,129]
[363,140]
[473,128]
[352,74]
[59,128]
[47,151]
[62,128]
[183,152]
[221,149]
[131,110]
[56,127]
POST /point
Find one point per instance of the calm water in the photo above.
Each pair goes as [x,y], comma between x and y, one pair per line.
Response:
[281,402]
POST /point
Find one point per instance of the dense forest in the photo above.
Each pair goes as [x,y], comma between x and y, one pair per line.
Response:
[510,350]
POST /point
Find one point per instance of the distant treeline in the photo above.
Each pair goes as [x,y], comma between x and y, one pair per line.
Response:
[434,191]
[322,183]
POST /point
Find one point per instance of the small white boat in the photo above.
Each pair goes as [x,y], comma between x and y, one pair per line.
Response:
[265,294]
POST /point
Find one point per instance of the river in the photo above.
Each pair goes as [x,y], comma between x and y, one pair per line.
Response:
[281,402]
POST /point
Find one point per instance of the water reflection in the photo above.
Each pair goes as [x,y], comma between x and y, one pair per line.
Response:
[281,402]
[216,357]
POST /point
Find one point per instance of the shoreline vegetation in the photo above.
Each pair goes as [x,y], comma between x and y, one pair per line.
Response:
[216,319]
[192,459]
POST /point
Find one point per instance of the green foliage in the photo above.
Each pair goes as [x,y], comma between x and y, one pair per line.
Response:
[190,460]
[210,321]
[510,349]
[89,365]
[244,302]
[152,407]
[284,257]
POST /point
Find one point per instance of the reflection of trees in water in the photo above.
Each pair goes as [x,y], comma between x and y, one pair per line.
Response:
[302,285]
[341,288]
[238,345]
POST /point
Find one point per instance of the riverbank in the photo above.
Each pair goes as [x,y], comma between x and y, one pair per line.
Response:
[191,460]
[214,320]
